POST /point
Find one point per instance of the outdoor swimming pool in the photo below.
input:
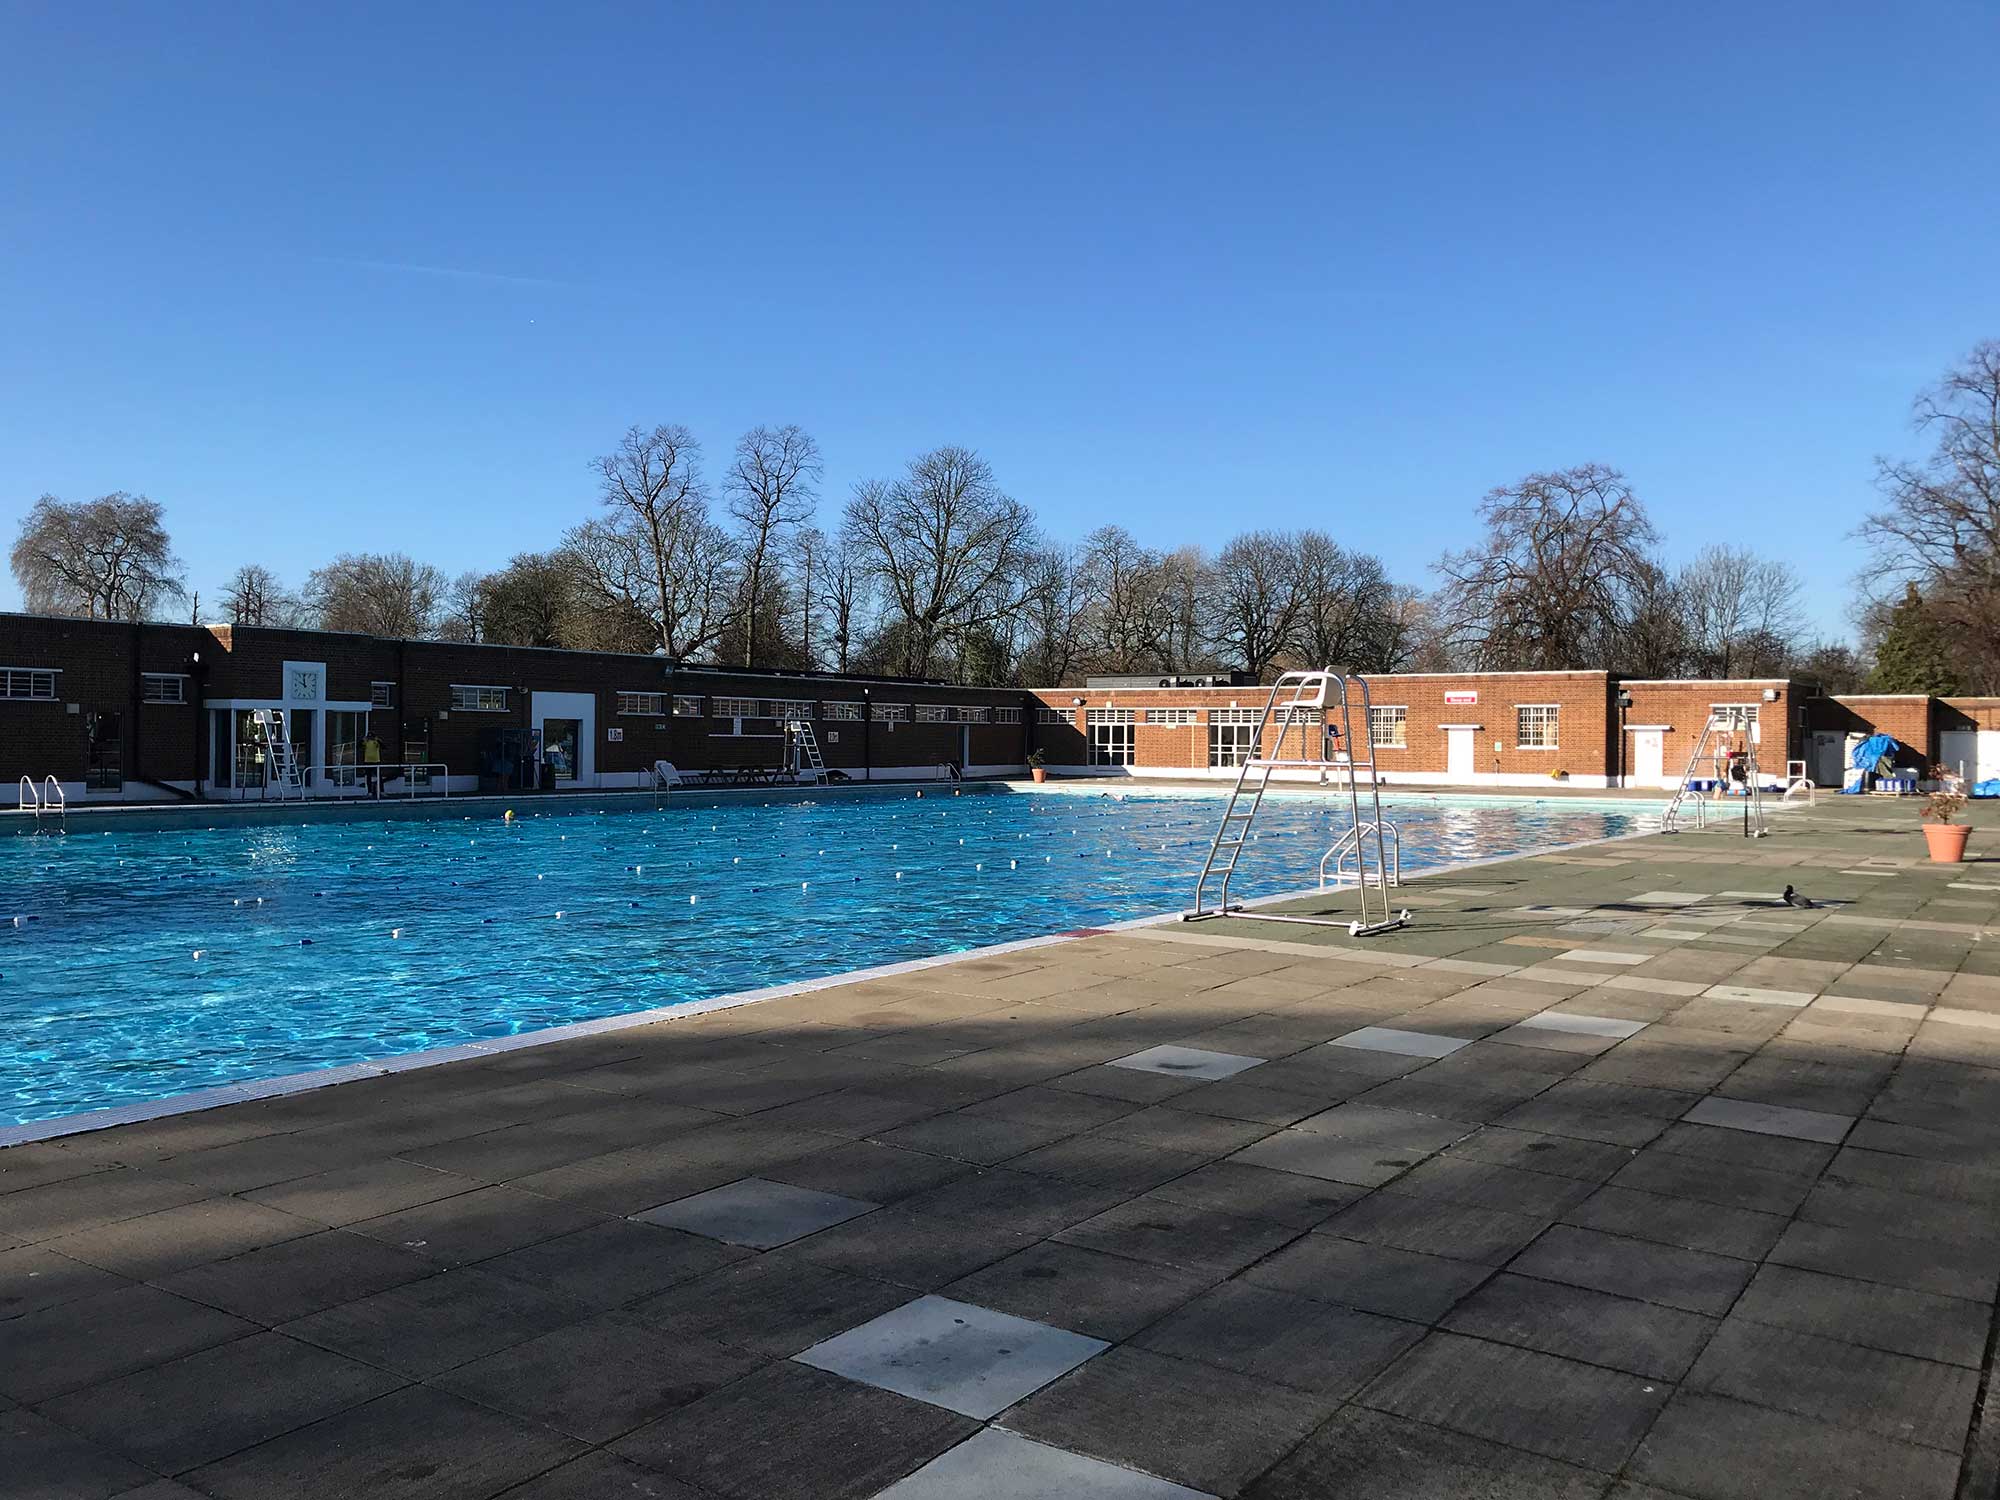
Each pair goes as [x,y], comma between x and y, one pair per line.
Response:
[140,964]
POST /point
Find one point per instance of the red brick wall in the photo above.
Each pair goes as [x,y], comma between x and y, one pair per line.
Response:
[1685,707]
[1908,718]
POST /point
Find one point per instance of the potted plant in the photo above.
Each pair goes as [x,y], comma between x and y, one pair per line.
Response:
[1035,766]
[1946,838]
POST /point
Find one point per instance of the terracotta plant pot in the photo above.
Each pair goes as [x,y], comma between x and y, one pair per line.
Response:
[1039,774]
[1947,841]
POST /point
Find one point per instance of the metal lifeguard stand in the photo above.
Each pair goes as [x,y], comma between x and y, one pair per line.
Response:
[1301,700]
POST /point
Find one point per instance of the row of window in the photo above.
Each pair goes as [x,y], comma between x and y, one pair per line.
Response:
[1536,727]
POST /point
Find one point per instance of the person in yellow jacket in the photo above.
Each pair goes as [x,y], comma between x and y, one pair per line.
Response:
[371,758]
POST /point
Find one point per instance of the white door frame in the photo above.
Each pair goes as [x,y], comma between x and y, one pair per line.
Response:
[1653,739]
[579,706]
[1461,751]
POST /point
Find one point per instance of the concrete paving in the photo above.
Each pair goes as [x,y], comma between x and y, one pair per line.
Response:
[1610,1178]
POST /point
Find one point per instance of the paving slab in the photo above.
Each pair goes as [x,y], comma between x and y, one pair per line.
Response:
[44,1458]
[1692,1280]
[1400,1043]
[967,1359]
[1166,1233]
[1403,1284]
[1383,1457]
[1948,1267]
[1104,1296]
[1771,1119]
[1642,1338]
[1289,1340]
[1920,1324]
[757,1213]
[774,1304]
[1188,1062]
[999,1465]
[74,1344]
[426,1326]
[1457,1231]
[1715,1448]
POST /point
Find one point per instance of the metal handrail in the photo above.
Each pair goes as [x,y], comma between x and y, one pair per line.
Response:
[356,772]
[1350,843]
[30,799]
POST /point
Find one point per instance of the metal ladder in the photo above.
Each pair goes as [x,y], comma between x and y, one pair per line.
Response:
[1730,722]
[1301,698]
[806,762]
[278,756]
[49,802]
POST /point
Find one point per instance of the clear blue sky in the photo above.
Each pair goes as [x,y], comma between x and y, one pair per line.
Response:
[359,277]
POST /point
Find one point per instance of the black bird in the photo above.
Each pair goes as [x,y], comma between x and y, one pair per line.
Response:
[1793,898]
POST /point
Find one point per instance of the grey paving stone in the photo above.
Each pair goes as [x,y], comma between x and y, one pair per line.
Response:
[1506,1394]
[757,1213]
[473,1226]
[1383,1457]
[1853,1204]
[1673,1276]
[1401,1043]
[1717,1449]
[1642,1338]
[1377,1125]
[1111,1162]
[1255,1102]
[44,1459]
[1709,1181]
[1173,1234]
[602,1476]
[999,1465]
[1189,1062]
[427,1326]
[1914,1400]
[50,1209]
[1894,1318]
[1334,1158]
[1286,1339]
[1375,1278]
[1581,1023]
[1260,1193]
[1771,1119]
[967,1359]
[32,1278]
[347,1195]
[1174,1129]
[1949,1268]
[774,1304]
[983,1139]
[212,1403]
[1976,1186]
[1209,1429]
[1105,1296]
[75,1344]
[414,1444]
[155,1244]
[599,1380]
[614,1262]
[1486,1185]
[1686,1222]
[1459,1231]
[868,1171]
[1559,1156]
[296,1277]
[1769,1153]
[790,1432]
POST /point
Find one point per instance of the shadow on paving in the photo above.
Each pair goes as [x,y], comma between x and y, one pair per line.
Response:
[1610,1177]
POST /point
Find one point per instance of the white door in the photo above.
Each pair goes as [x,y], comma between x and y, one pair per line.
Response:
[1828,765]
[1648,757]
[1459,754]
[580,710]
[1975,751]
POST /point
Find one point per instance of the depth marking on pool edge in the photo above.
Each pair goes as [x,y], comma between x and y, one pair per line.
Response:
[299,1083]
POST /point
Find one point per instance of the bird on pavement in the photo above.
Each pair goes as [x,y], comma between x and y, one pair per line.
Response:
[1793,898]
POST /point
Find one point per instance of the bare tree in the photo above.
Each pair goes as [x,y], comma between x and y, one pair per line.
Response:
[1653,639]
[1941,528]
[1348,608]
[107,558]
[254,596]
[1122,580]
[1257,602]
[833,585]
[1056,605]
[1554,577]
[657,550]
[946,547]
[533,601]
[1741,611]
[1181,619]
[386,594]
[771,491]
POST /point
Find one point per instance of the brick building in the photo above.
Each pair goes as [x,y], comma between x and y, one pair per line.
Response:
[141,711]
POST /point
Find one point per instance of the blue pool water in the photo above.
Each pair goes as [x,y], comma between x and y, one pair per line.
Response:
[102,1001]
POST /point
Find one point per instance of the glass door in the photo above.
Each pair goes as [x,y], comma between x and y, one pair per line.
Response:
[559,747]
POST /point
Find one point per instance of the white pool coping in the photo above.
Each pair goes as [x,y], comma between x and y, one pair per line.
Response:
[318,1078]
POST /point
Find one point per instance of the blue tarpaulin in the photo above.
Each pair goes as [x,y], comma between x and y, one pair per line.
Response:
[1988,788]
[1870,755]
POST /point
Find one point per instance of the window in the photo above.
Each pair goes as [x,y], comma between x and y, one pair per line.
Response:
[1172,715]
[1735,718]
[1110,735]
[1055,716]
[1535,725]
[33,684]
[1389,727]
[892,713]
[641,703]
[484,700]
[1229,736]
[930,713]
[687,706]
[792,708]
[382,694]
[162,687]
[964,715]
[732,708]
[845,712]
[1006,716]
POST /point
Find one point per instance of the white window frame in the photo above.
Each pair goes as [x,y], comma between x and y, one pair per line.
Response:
[641,705]
[687,705]
[148,681]
[1551,719]
[842,711]
[1401,724]
[1756,728]
[932,713]
[793,708]
[971,714]
[734,708]
[25,684]
[1063,716]
[470,698]
[1179,717]
[1006,716]
[1235,715]
[381,695]
[890,713]
[1229,737]
[1113,735]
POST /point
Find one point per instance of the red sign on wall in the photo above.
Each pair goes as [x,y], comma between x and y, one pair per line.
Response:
[1461,697]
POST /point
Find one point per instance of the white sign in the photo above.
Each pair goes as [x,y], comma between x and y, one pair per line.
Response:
[1462,697]
[614,735]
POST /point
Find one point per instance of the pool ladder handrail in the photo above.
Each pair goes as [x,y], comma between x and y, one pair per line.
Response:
[1348,845]
[50,800]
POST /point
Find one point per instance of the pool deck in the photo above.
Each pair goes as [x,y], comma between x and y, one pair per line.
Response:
[1609,1179]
